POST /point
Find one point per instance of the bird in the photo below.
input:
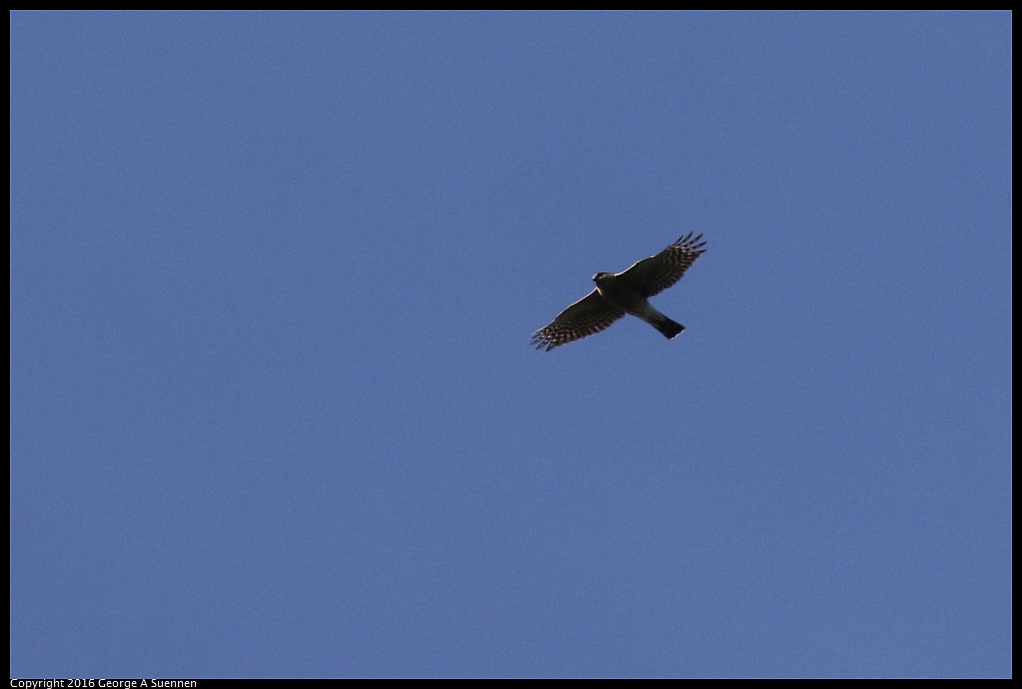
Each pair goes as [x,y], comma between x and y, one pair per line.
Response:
[626,292]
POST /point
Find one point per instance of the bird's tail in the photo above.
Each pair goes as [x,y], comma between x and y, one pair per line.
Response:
[669,328]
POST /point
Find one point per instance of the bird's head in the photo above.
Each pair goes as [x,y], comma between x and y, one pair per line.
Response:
[601,276]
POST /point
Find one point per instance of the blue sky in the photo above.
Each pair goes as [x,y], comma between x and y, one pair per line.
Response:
[273,407]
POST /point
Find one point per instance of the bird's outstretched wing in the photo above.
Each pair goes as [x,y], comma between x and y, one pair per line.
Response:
[655,274]
[587,316]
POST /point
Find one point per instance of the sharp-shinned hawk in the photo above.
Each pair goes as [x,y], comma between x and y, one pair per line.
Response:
[627,292]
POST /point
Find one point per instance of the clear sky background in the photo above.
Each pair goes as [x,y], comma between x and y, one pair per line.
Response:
[273,407]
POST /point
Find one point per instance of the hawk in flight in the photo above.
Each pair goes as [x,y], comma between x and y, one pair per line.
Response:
[628,292]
